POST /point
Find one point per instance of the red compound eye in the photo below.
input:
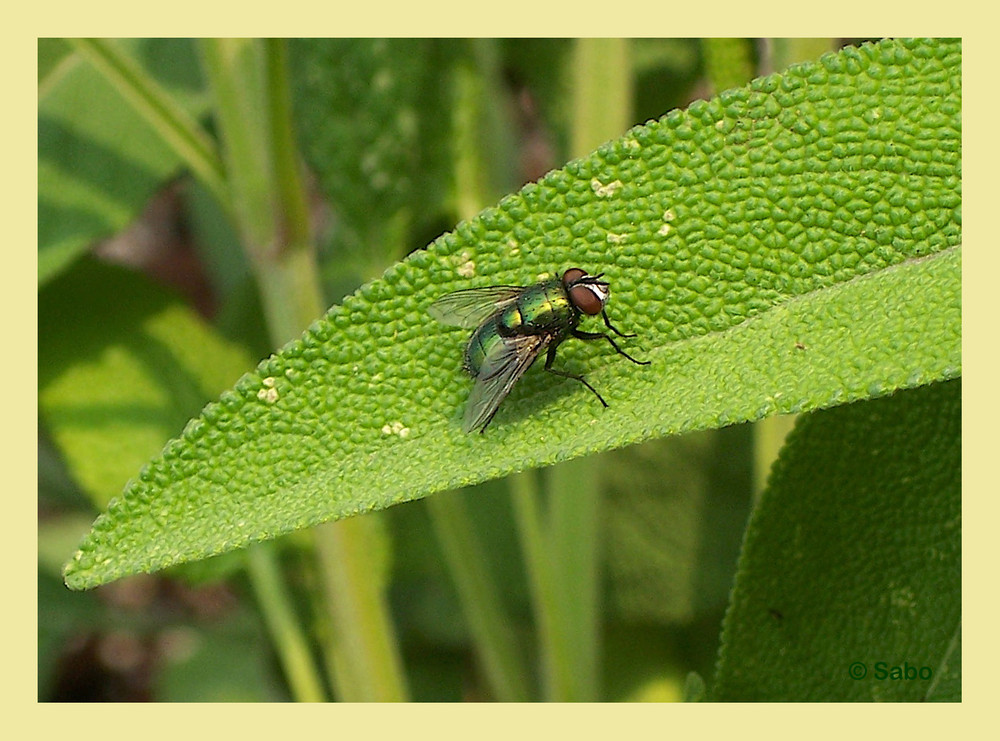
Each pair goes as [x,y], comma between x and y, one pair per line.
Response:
[572,275]
[586,299]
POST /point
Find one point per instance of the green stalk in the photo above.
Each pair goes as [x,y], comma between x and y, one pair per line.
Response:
[271,216]
[282,624]
[528,511]
[561,554]
[602,93]
[198,150]
[253,109]
[559,535]
[239,98]
[729,62]
[561,547]
[479,140]
[161,111]
[495,642]
[782,53]
[291,196]
[484,146]
[574,505]
[363,654]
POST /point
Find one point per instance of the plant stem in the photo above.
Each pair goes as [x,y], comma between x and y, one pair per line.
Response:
[482,153]
[366,666]
[574,548]
[268,584]
[484,150]
[526,498]
[495,642]
[195,148]
[561,551]
[271,217]
[293,211]
[558,540]
[779,54]
[729,62]
[253,109]
[602,93]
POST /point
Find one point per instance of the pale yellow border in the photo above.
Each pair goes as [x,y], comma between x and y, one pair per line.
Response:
[24,23]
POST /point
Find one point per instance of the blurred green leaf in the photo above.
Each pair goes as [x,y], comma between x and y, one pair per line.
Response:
[61,615]
[98,160]
[853,557]
[124,363]
[674,515]
[373,116]
[221,662]
[640,666]
[540,69]
[665,70]
[741,238]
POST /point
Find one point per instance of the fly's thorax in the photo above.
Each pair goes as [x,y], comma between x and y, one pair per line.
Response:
[539,309]
[483,341]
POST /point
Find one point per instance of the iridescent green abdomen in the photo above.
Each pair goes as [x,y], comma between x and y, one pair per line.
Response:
[484,340]
[541,309]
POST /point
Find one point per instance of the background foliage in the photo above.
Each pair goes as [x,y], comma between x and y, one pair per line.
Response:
[601,578]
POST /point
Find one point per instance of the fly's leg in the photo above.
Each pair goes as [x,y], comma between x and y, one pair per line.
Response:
[550,357]
[613,328]
[601,335]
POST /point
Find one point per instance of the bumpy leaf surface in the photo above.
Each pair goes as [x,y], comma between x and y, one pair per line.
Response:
[783,247]
[850,584]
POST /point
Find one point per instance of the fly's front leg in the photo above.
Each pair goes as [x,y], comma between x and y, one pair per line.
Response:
[550,357]
[613,328]
[601,335]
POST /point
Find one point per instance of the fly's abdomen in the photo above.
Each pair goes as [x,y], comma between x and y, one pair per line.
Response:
[483,341]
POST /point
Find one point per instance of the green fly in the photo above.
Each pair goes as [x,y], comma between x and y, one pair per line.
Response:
[514,324]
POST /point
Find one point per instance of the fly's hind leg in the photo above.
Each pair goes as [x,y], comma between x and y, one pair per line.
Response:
[550,357]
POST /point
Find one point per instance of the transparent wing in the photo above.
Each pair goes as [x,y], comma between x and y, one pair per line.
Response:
[497,376]
[470,307]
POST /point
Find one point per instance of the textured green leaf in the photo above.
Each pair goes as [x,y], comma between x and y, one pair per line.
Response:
[853,557]
[129,369]
[784,247]
[98,160]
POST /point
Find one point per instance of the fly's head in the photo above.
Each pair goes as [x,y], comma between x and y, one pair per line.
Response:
[587,293]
